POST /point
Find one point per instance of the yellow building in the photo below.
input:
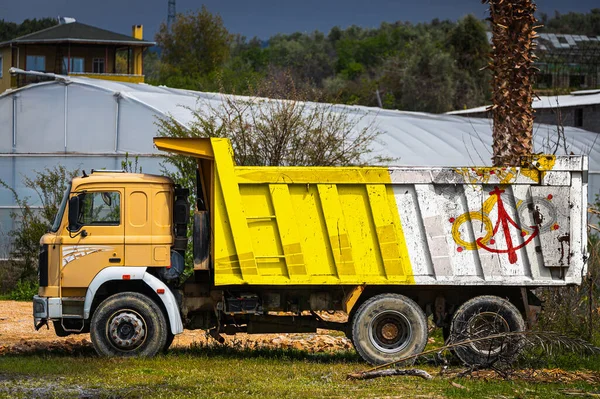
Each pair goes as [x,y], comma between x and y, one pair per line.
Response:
[74,49]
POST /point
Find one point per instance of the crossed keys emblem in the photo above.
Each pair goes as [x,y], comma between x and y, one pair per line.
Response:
[488,237]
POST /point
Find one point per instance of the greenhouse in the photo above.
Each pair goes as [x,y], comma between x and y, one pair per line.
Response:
[91,124]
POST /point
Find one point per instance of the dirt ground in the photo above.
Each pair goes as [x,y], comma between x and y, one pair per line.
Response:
[17,334]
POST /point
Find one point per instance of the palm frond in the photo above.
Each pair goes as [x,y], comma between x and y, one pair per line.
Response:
[549,341]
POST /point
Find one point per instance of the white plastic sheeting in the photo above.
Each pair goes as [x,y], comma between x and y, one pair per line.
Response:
[575,99]
[88,123]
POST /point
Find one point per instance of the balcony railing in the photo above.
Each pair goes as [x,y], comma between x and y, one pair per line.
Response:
[118,77]
[24,79]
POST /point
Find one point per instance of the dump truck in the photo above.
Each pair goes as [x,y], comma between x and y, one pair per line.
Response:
[276,248]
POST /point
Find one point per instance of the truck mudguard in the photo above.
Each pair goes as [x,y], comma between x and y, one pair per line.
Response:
[135,273]
[168,299]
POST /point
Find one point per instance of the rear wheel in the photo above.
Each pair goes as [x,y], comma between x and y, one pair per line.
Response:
[128,324]
[483,316]
[388,327]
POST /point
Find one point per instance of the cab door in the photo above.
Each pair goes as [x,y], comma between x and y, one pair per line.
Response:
[100,241]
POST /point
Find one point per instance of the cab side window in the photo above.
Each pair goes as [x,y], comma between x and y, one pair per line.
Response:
[102,208]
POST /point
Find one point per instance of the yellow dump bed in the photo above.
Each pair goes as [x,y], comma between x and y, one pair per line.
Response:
[375,225]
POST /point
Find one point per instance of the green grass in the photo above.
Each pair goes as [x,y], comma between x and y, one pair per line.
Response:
[218,372]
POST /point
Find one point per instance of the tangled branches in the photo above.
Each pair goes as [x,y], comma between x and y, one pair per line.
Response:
[548,342]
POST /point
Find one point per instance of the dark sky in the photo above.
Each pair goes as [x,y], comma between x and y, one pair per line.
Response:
[263,18]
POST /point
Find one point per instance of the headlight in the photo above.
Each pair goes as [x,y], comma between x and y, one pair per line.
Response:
[38,307]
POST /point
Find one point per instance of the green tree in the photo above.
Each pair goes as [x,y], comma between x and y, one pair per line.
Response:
[197,44]
[469,43]
[352,66]
[121,65]
[251,51]
[244,69]
[573,23]
[470,48]
[308,57]
[11,30]
[49,186]
[361,50]
[151,67]
[428,80]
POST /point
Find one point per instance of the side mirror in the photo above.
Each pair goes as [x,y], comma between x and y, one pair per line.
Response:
[73,213]
[106,198]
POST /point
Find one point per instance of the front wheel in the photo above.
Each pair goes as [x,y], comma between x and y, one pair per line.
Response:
[128,324]
[389,327]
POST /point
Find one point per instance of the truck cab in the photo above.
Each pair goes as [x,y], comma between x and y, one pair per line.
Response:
[111,228]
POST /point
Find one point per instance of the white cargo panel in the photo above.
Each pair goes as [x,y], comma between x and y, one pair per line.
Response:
[495,226]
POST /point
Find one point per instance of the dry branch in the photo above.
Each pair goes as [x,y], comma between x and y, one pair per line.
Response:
[580,393]
[390,372]
[546,340]
[594,211]
[591,226]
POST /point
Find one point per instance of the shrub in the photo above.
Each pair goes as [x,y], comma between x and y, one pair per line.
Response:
[268,132]
[24,291]
[49,185]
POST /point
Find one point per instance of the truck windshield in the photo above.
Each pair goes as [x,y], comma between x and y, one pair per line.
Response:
[61,210]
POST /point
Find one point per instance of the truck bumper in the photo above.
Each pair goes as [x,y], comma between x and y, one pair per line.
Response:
[40,310]
[45,309]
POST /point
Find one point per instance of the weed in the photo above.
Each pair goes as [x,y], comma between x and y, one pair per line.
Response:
[23,291]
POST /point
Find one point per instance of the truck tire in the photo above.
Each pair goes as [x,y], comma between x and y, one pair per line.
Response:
[481,316]
[169,341]
[388,327]
[128,324]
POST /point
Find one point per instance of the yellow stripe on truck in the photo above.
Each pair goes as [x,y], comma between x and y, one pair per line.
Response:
[305,226]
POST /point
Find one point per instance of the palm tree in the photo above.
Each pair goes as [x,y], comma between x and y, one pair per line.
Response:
[513,31]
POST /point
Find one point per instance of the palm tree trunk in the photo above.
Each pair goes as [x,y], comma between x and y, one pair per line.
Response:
[513,72]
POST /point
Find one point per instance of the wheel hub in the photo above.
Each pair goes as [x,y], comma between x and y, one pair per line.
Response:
[390,332]
[126,330]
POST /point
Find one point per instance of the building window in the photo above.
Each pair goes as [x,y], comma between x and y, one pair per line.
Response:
[77,64]
[36,63]
[578,117]
[98,65]
[544,80]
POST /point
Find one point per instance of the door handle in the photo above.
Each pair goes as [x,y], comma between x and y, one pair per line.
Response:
[114,260]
